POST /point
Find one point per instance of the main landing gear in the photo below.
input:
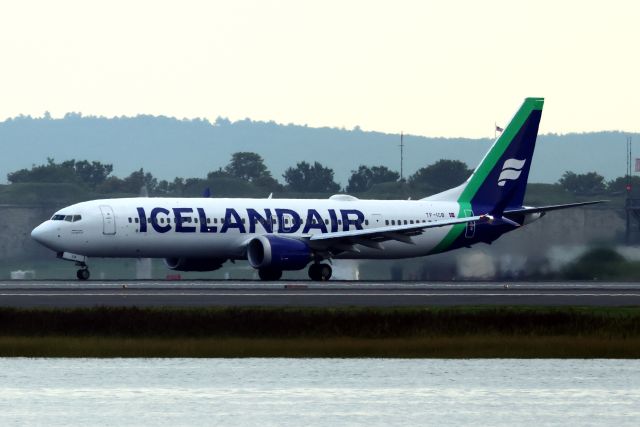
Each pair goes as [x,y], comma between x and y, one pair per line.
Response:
[269,274]
[320,272]
[317,272]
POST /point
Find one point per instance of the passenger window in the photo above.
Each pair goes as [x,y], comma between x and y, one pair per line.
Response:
[326,221]
[393,222]
[411,221]
[405,222]
[136,220]
[215,220]
[366,222]
[130,220]
[339,222]
[386,222]
[208,220]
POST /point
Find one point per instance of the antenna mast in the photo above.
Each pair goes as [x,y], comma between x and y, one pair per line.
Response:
[401,156]
[629,162]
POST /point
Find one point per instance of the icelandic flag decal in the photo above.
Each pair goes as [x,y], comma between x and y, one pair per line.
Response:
[511,170]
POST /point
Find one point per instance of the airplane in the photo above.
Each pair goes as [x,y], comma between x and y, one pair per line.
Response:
[276,235]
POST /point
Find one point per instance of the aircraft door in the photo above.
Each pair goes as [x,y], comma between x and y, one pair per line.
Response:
[108,220]
[471,226]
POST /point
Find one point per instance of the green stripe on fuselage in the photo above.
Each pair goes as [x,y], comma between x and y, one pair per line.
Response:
[482,171]
[452,235]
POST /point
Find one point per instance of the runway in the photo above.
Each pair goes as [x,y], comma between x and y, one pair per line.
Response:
[306,294]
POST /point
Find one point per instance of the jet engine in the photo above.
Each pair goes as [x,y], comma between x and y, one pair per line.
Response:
[279,253]
[194,264]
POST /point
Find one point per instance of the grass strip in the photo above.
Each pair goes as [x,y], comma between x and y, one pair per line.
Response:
[449,332]
[372,323]
[418,347]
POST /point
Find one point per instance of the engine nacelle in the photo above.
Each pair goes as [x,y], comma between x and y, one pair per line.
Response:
[282,253]
[194,264]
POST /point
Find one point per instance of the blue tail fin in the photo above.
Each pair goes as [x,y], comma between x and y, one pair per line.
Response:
[500,180]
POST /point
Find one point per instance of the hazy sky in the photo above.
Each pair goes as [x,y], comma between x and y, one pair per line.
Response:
[441,68]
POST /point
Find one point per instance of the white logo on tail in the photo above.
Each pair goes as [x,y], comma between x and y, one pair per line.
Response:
[511,171]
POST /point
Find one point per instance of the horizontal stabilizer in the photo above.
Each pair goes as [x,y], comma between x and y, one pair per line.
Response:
[552,207]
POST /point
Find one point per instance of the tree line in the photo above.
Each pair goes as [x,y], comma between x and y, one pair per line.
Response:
[247,175]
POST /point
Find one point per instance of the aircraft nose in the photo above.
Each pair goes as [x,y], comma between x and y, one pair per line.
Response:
[43,234]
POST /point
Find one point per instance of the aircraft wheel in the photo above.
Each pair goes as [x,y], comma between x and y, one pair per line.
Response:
[325,272]
[320,272]
[83,274]
[269,274]
[314,272]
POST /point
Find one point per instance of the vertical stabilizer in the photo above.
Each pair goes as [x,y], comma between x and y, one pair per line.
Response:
[500,180]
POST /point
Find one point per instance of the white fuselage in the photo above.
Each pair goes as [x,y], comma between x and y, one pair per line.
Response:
[221,228]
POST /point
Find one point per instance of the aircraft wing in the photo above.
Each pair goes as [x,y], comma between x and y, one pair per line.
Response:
[372,237]
[551,207]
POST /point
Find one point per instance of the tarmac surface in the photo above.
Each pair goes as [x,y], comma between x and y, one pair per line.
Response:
[309,294]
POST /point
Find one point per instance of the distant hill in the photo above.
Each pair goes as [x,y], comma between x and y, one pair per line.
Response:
[169,147]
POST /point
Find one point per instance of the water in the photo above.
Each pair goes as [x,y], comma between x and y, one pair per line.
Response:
[310,392]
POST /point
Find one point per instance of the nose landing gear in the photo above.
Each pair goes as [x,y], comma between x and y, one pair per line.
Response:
[320,272]
[83,273]
[80,261]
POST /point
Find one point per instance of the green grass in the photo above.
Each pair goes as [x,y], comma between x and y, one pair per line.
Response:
[462,332]
[474,346]
[370,323]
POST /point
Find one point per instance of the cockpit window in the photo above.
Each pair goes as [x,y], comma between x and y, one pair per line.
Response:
[68,218]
